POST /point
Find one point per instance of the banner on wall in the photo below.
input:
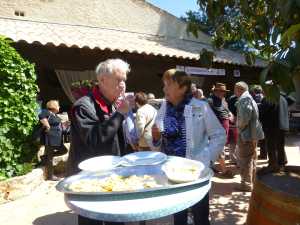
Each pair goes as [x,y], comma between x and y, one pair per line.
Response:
[202,71]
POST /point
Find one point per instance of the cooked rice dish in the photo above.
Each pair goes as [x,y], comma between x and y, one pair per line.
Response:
[114,183]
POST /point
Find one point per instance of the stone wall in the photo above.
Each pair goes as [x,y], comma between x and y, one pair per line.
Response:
[111,14]
[16,187]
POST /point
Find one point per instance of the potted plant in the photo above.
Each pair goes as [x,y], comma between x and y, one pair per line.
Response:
[82,88]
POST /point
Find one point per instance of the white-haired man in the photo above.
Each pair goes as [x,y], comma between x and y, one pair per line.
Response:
[97,120]
[250,131]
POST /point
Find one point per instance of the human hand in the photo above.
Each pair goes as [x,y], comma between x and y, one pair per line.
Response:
[135,147]
[123,106]
[156,135]
[66,123]
[47,128]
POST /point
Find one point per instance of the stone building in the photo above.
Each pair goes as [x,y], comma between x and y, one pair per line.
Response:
[66,39]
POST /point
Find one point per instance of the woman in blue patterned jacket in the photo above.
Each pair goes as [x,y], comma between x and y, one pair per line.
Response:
[187,127]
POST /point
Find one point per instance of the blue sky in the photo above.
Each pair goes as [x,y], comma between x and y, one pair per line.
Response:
[175,7]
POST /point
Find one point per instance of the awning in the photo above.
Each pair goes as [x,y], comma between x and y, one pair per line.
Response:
[111,39]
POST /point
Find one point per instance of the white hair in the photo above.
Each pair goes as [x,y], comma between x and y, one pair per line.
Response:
[200,92]
[151,96]
[109,66]
[242,85]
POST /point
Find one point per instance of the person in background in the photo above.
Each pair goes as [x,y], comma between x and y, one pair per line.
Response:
[97,118]
[250,132]
[233,131]
[153,101]
[145,116]
[275,122]
[220,107]
[129,127]
[194,90]
[257,94]
[52,137]
[199,94]
[150,96]
[187,127]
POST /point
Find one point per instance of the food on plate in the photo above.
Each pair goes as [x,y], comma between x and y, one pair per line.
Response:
[114,183]
[182,173]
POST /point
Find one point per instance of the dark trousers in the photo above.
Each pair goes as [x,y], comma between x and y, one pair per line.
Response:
[50,152]
[87,221]
[263,149]
[200,212]
[275,140]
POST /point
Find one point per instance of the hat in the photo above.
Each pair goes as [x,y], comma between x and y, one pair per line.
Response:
[219,87]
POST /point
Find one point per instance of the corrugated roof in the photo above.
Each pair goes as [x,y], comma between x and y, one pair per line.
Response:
[115,40]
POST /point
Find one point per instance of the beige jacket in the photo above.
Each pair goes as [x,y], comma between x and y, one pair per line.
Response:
[145,117]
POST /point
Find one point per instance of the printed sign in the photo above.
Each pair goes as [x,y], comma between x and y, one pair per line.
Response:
[236,73]
[202,71]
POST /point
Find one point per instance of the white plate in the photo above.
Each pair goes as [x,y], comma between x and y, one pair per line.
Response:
[100,163]
[143,158]
[182,170]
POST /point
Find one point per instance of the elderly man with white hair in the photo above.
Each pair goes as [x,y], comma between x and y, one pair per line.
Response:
[250,131]
[97,120]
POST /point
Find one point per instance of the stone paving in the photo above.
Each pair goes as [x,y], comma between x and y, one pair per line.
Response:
[45,206]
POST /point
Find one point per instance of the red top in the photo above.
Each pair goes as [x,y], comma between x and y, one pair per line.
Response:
[100,99]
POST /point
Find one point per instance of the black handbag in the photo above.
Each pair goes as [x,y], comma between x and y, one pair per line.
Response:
[37,133]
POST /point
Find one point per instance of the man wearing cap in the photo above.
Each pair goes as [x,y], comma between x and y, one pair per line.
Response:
[220,107]
[250,131]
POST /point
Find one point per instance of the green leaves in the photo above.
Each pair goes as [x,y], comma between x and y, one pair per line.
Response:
[206,58]
[290,34]
[250,58]
[275,78]
[269,29]
[18,91]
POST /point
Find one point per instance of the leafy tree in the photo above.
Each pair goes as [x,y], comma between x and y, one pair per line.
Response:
[271,29]
[199,21]
[18,91]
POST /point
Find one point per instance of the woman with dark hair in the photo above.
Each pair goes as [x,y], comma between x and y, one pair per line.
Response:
[187,127]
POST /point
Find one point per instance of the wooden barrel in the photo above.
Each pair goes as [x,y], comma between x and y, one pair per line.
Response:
[275,199]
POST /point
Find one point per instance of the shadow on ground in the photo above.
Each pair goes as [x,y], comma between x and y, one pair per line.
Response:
[292,140]
[227,205]
[59,218]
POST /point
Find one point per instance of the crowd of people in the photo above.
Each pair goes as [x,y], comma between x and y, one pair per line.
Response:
[109,121]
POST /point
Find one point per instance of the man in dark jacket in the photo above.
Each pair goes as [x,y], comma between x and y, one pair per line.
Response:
[274,119]
[97,120]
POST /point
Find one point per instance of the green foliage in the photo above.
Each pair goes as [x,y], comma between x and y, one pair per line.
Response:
[199,21]
[206,58]
[18,106]
[82,87]
[84,83]
[270,29]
